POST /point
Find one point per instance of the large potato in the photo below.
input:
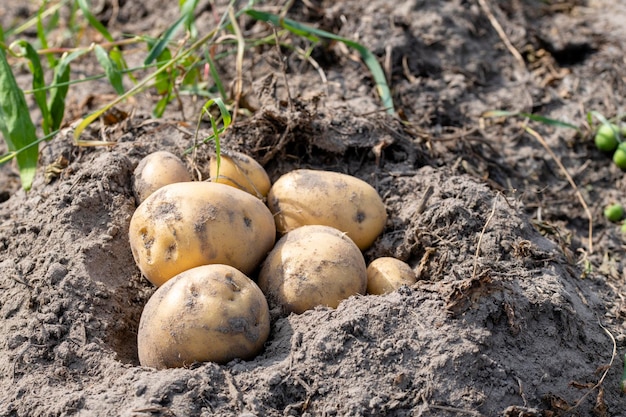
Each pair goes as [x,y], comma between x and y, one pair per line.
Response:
[311,266]
[305,197]
[209,313]
[157,170]
[240,171]
[387,274]
[189,224]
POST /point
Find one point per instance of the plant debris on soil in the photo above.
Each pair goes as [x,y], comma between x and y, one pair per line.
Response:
[513,314]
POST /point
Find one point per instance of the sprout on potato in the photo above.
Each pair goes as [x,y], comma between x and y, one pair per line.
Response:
[209,313]
[307,197]
[155,171]
[189,224]
[311,266]
[240,171]
[387,274]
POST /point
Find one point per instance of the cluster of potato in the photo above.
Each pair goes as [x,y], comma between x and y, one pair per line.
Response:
[200,242]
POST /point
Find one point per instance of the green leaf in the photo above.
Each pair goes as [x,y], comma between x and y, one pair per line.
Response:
[186,18]
[110,68]
[159,108]
[39,84]
[58,93]
[187,9]
[60,86]
[84,7]
[16,125]
[312,34]
[163,81]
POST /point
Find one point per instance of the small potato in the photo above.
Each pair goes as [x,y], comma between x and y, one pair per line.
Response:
[305,197]
[156,170]
[209,313]
[387,274]
[189,224]
[240,171]
[311,266]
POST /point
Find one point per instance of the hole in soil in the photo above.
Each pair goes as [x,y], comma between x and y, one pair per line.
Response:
[111,266]
[573,54]
[123,314]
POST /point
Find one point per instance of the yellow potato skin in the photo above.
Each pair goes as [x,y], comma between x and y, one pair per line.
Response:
[157,170]
[387,274]
[189,224]
[310,266]
[306,197]
[209,313]
[241,171]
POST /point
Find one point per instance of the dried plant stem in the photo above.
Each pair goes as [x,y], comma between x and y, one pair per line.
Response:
[505,39]
[606,371]
[543,143]
[482,233]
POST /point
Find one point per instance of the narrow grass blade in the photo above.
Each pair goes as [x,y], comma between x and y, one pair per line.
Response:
[603,120]
[226,120]
[12,154]
[42,31]
[162,43]
[42,14]
[215,76]
[16,124]
[217,131]
[186,16]
[598,116]
[39,84]
[110,68]
[534,117]
[95,23]
[144,83]
[312,33]
[187,8]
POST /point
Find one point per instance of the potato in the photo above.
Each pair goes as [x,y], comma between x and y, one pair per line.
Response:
[209,313]
[189,224]
[240,171]
[311,266]
[305,197]
[156,170]
[387,274]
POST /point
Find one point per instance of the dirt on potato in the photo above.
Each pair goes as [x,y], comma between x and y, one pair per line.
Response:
[515,312]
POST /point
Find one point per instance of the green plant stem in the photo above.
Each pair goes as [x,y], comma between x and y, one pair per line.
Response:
[145,82]
[33,20]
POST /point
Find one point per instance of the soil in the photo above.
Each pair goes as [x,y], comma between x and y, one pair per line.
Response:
[514,313]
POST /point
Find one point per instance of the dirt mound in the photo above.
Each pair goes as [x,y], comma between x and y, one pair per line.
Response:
[511,316]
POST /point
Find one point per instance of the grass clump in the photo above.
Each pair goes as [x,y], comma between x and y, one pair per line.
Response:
[173,65]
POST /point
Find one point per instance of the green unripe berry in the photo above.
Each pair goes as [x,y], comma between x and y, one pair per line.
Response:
[619,157]
[605,138]
[623,228]
[614,212]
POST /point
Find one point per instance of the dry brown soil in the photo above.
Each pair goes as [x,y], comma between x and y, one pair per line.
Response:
[514,314]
